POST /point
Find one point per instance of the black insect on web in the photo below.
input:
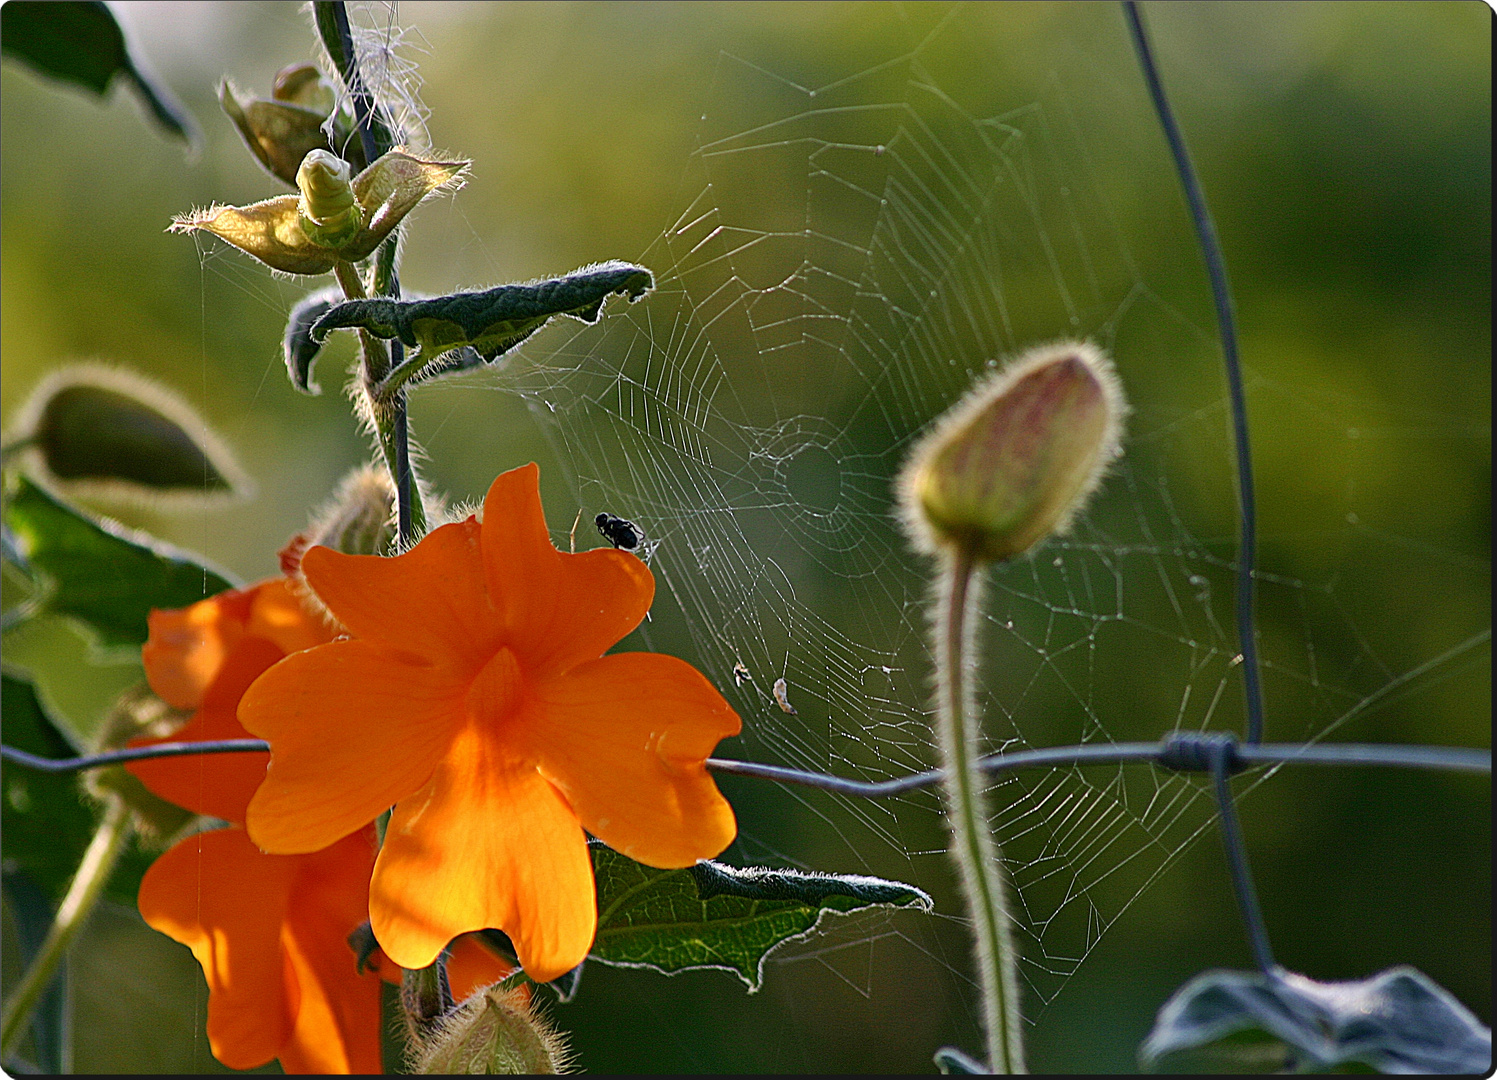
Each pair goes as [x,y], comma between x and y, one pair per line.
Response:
[622,534]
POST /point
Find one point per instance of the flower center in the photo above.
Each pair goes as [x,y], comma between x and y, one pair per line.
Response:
[495,692]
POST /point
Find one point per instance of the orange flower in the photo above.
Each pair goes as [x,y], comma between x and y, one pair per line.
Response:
[475,698]
[270,931]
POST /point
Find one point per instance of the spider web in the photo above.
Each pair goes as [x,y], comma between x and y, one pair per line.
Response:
[749,417]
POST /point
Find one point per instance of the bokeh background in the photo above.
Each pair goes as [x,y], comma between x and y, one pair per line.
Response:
[1345,149]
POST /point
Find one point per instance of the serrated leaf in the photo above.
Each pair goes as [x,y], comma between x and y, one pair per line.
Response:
[1397,1021]
[81,43]
[46,819]
[297,345]
[100,573]
[716,916]
[490,322]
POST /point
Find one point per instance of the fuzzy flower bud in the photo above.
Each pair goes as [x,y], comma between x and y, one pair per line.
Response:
[1013,461]
[359,519]
[495,1031]
[103,432]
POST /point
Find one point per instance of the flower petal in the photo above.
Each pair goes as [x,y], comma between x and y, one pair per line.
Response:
[624,738]
[219,785]
[338,1016]
[429,601]
[472,966]
[557,610]
[279,615]
[187,647]
[233,928]
[354,727]
[487,842]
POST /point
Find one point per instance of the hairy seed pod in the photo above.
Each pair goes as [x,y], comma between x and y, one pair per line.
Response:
[330,213]
[1011,463]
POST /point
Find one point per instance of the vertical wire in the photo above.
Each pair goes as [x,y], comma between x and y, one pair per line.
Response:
[1221,295]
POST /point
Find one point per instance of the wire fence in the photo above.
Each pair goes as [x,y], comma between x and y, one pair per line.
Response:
[1220,755]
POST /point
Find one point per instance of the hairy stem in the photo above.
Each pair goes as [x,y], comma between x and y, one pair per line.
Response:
[93,871]
[386,412]
[976,854]
[426,997]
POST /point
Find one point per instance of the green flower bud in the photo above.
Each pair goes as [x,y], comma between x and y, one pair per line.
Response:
[330,213]
[494,1031]
[334,218]
[1012,462]
[106,432]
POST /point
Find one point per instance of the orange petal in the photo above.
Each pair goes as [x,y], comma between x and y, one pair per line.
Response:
[219,785]
[472,966]
[624,738]
[216,894]
[338,1015]
[557,610]
[354,727]
[429,601]
[487,842]
[279,615]
[187,647]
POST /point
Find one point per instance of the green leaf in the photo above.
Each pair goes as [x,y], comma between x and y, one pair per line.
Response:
[82,44]
[716,916]
[46,819]
[953,1062]
[1397,1021]
[101,573]
[297,345]
[491,322]
[51,1033]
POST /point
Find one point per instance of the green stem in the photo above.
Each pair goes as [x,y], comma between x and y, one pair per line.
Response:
[976,854]
[386,414]
[93,871]
[18,444]
[426,997]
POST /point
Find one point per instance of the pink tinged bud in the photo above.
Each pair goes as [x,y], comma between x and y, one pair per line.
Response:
[1012,462]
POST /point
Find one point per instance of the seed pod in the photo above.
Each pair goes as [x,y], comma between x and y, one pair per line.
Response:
[494,1031]
[107,432]
[280,132]
[303,84]
[1012,462]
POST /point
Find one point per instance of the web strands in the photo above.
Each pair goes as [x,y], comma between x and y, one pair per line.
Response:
[751,414]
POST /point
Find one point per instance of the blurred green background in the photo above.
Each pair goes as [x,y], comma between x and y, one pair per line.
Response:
[1345,149]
